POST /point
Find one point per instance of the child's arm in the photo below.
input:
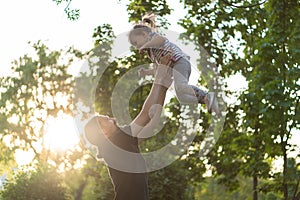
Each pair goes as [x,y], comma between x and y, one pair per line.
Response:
[165,60]
[155,42]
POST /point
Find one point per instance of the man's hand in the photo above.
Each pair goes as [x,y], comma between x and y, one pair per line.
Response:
[144,72]
[163,76]
[166,60]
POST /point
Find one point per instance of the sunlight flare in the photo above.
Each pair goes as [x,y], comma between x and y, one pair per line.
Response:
[60,133]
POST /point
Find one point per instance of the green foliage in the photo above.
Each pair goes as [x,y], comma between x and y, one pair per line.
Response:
[261,43]
[211,189]
[30,95]
[136,9]
[97,73]
[271,94]
[6,154]
[268,107]
[72,14]
[44,183]
[97,183]
[168,178]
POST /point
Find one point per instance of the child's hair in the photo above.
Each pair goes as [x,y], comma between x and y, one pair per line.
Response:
[138,29]
[146,26]
[149,20]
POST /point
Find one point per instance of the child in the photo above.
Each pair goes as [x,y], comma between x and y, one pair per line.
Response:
[147,40]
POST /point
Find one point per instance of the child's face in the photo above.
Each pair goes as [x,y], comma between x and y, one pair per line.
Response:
[139,40]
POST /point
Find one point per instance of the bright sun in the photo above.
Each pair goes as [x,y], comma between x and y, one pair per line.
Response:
[60,133]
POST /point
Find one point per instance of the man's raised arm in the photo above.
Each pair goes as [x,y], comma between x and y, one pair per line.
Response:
[149,116]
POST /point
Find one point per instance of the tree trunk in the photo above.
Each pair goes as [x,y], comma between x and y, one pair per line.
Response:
[284,184]
[254,188]
[80,190]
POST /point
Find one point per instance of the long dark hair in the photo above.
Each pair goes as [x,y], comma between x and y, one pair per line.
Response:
[93,134]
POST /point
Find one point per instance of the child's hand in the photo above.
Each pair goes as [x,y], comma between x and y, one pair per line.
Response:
[142,49]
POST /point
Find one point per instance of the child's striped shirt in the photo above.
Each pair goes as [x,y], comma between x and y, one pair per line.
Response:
[155,54]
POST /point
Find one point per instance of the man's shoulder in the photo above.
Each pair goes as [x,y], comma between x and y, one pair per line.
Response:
[124,135]
[126,129]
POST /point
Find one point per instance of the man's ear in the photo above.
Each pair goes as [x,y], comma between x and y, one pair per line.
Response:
[145,34]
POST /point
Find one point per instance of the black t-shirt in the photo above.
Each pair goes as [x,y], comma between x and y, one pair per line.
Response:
[127,185]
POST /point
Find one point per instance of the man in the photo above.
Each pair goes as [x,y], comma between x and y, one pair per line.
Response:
[119,145]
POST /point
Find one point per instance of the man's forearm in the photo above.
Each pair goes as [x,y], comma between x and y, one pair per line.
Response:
[157,96]
[163,79]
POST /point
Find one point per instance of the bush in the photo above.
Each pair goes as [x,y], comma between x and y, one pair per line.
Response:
[43,184]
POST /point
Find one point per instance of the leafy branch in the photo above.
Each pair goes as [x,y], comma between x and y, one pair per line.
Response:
[73,14]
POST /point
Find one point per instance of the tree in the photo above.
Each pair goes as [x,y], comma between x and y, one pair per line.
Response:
[248,145]
[31,94]
[275,66]
[44,183]
[211,189]
[259,40]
